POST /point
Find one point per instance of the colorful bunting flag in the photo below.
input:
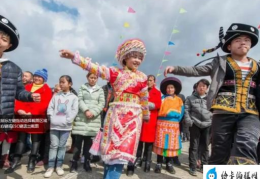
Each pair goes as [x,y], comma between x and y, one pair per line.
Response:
[175,31]
[126,25]
[182,11]
[167,53]
[164,60]
[171,43]
[131,10]
[114,64]
[259,27]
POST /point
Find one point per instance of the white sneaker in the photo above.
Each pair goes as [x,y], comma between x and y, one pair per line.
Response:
[48,173]
[60,171]
[82,160]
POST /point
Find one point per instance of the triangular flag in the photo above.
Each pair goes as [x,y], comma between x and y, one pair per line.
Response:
[259,27]
[164,60]
[175,31]
[131,10]
[114,64]
[182,11]
[158,75]
[126,25]
[171,43]
[167,53]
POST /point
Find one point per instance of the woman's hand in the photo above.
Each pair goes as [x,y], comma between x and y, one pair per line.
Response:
[29,114]
[21,112]
[36,97]
[66,54]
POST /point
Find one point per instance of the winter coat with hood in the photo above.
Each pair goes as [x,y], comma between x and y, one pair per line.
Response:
[92,99]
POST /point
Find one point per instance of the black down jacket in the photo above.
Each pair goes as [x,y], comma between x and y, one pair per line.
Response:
[11,88]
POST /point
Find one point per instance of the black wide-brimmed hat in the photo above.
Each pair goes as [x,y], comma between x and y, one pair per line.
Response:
[10,29]
[171,80]
[235,30]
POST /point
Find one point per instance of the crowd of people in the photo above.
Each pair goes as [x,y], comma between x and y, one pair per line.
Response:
[129,119]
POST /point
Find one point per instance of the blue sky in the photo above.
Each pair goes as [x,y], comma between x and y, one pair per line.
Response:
[59,7]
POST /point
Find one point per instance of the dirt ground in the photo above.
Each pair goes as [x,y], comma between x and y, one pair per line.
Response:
[97,173]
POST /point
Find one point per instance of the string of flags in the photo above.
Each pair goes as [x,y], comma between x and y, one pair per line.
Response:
[131,10]
[182,10]
[175,31]
[167,53]
[170,42]
[114,64]
[126,25]
[164,60]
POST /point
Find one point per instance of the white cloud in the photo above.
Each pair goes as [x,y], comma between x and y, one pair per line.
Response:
[96,31]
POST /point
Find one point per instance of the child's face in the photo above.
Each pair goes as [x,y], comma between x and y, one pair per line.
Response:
[64,85]
[170,90]
[202,88]
[92,79]
[240,45]
[133,63]
[38,80]
[4,42]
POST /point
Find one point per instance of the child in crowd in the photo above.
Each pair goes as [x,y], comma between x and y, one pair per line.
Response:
[62,110]
[123,122]
[88,120]
[233,96]
[11,86]
[168,139]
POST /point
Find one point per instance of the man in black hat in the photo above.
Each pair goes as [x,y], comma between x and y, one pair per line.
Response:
[11,85]
[232,96]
